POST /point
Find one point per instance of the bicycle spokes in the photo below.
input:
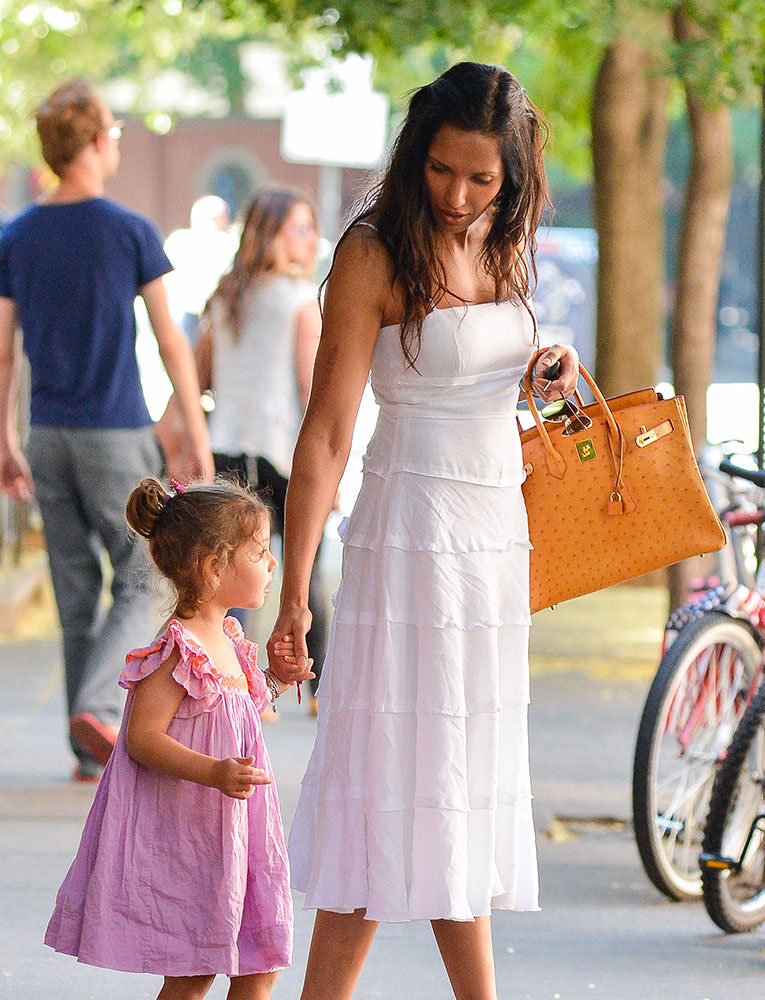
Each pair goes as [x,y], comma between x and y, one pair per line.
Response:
[714,689]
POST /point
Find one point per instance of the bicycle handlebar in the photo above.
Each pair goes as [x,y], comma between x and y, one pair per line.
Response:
[756,476]
[742,518]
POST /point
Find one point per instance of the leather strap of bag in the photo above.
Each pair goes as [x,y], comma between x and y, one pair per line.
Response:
[556,464]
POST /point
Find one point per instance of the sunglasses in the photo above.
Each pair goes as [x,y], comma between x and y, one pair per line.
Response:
[114,131]
[567,412]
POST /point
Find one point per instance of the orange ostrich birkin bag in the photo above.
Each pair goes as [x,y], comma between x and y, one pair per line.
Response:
[612,491]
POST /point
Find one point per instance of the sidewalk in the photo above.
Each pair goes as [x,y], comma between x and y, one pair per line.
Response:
[603,932]
[592,661]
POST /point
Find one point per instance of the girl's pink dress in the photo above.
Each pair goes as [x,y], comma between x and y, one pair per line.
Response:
[172,877]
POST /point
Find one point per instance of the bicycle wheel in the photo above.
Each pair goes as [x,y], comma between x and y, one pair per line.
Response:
[699,693]
[734,895]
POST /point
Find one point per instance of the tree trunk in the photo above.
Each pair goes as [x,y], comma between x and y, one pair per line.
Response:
[699,259]
[629,129]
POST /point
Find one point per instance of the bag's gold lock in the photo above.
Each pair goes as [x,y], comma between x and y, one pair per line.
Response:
[646,437]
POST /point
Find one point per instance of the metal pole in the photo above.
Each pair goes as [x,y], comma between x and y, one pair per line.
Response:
[330,199]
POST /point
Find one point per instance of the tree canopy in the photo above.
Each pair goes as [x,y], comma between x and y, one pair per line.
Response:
[554,48]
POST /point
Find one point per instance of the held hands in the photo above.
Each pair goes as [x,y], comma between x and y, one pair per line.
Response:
[565,382]
[288,658]
[284,649]
[236,777]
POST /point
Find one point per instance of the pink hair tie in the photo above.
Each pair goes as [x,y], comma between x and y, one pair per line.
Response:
[178,487]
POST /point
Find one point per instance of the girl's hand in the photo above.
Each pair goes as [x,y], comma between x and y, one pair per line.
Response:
[291,663]
[236,777]
[568,376]
[284,649]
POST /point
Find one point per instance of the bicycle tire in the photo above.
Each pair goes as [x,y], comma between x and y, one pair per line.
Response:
[735,900]
[714,655]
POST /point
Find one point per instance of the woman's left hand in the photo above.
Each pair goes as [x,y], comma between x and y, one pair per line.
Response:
[288,658]
[284,651]
[568,376]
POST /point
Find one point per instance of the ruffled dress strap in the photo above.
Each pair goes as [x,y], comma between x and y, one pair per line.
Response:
[194,670]
[247,652]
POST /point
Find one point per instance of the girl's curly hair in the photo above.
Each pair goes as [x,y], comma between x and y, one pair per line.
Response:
[184,528]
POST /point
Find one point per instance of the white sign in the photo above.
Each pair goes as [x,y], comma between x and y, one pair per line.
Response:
[346,128]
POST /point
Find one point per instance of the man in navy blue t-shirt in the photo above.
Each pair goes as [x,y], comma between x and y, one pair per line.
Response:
[71,267]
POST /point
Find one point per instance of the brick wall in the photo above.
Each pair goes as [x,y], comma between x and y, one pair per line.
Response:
[162,175]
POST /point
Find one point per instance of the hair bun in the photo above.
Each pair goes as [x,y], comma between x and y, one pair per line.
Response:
[145,503]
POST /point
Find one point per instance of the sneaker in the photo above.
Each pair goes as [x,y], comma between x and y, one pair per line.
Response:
[92,735]
[85,776]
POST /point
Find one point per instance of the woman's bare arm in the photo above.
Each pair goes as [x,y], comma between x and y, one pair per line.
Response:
[358,295]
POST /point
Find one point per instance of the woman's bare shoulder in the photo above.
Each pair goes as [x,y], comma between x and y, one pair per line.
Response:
[363,265]
[361,244]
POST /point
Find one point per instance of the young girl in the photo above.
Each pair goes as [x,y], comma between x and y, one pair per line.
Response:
[182,868]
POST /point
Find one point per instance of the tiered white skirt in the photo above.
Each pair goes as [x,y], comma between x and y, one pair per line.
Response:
[416,803]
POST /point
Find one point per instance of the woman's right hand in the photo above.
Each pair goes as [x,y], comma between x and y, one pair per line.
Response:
[236,777]
[289,633]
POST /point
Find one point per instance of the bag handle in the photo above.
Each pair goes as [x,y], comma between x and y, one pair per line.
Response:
[555,462]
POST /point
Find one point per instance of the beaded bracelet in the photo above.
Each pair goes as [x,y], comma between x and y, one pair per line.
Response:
[272,686]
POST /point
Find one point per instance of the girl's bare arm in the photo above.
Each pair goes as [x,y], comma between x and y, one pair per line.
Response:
[155,703]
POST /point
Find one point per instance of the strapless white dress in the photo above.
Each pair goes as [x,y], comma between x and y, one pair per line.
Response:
[416,803]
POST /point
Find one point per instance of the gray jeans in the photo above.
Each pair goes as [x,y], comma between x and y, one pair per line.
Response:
[82,480]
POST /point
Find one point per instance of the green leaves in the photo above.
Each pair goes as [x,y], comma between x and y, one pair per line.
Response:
[554,47]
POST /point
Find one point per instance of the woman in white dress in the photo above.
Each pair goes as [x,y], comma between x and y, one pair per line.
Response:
[416,803]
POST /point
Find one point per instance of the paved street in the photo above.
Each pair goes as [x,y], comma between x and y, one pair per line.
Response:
[603,932]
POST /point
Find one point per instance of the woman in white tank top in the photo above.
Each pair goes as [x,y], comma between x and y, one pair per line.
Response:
[416,804]
[260,331]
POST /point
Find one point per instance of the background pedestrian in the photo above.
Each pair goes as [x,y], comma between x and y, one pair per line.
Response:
[71,267]
[257,349]
[199,255]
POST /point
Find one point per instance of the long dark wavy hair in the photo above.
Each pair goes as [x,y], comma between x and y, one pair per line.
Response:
[472,97]
[264,215]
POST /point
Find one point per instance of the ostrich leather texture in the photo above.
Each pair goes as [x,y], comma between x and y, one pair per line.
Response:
[616,500]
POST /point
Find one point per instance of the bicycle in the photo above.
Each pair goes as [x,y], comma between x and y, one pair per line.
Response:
[711,666]
[733,851]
